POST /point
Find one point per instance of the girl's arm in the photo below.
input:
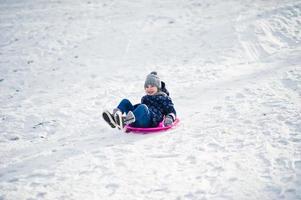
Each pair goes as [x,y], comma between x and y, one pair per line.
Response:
[170,110]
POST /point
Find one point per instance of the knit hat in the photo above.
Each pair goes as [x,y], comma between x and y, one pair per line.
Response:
[153,79]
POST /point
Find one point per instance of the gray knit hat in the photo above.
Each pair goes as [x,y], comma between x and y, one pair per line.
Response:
[153,79]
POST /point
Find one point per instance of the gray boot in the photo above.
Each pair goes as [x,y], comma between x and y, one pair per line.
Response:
[129,118]
[115,110]
[121,120]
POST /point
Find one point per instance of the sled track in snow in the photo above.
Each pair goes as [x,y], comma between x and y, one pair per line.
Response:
[270,33]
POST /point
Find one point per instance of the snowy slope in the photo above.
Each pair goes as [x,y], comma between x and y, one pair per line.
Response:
[234,72]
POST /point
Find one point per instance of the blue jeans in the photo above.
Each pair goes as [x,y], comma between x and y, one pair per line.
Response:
[141,112]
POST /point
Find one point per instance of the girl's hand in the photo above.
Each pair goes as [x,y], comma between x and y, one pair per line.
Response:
[168,120]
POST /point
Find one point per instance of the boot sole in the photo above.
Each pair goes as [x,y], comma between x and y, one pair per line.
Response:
[119,122]
[108,118]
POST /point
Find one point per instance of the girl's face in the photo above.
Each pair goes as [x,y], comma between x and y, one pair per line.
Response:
[151,90]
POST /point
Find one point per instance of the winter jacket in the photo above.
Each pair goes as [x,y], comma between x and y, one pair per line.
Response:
[159,105]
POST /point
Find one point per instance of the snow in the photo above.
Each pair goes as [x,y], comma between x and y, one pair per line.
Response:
[233,71]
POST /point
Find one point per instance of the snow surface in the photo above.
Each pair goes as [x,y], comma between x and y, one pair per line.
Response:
[234,72]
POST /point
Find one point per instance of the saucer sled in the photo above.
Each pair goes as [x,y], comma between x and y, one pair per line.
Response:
[159,128]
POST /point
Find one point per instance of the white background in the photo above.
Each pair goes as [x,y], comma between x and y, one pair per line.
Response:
[233,71]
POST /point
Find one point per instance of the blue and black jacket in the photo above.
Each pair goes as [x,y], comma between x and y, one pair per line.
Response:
[159,105]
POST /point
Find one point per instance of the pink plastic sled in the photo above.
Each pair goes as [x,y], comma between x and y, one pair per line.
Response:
[160,127]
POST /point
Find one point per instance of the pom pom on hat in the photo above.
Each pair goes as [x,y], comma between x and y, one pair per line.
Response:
[153,79]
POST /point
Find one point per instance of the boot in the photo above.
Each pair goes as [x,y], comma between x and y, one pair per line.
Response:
[109,118]
[121,121]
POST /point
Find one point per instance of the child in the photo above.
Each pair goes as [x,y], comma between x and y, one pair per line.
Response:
[155,106]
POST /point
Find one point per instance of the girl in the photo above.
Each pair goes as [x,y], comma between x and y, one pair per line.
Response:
[155,106]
